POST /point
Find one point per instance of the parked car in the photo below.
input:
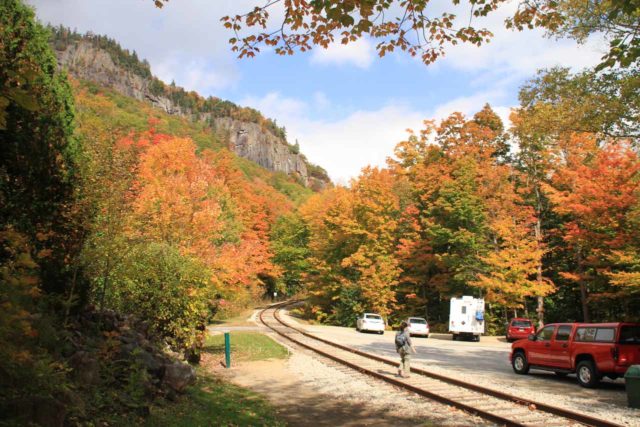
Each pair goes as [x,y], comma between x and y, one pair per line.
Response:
[418,326]
[519,328]
[590,350]
[370,322]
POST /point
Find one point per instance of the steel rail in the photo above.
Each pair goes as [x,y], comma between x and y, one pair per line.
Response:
[543,407]
[470,409]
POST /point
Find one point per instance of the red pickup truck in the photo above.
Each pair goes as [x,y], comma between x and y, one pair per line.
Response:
[590,350]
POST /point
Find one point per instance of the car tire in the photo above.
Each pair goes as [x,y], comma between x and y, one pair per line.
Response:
[520,364]
[381,332]
[587,374]
[477,338]
[454,337]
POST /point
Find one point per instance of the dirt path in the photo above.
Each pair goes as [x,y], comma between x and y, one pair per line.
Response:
[308,391]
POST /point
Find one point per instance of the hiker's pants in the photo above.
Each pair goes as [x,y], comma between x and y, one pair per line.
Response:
[405,362]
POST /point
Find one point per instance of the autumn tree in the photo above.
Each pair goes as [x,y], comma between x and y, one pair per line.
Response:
[596,192]
[352,241]
[420,28]
[290,243]
[39,153]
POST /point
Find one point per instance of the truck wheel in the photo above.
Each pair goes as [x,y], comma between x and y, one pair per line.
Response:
[454,337]
[519,364]
[587,374]
[477,338]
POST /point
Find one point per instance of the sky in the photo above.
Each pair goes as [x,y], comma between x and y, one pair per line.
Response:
[345,106]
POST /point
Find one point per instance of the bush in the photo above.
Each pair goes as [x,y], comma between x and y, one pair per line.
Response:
[171,291]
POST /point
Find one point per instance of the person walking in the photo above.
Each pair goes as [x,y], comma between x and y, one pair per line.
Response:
[405,348]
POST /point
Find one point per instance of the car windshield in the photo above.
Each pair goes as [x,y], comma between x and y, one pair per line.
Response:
[373,316]
[418,321]
[521,324]
[630,334]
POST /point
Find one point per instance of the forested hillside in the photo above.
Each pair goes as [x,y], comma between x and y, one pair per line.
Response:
[243,130]
[124,231]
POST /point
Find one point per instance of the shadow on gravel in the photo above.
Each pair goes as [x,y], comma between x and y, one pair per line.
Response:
[319,409]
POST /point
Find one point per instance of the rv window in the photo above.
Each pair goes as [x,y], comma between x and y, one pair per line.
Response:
[464,309]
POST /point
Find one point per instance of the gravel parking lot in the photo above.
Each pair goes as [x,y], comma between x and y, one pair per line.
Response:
[487,363]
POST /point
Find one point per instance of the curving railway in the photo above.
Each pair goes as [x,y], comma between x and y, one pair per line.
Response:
[492,405]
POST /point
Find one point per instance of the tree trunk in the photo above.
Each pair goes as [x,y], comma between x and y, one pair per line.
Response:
[583,288]
[540,307]
[585,306]
[540,311]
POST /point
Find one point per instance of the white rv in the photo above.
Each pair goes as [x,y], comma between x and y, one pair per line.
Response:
[466,318]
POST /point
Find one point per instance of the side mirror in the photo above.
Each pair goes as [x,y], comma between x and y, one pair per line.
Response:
[531,337]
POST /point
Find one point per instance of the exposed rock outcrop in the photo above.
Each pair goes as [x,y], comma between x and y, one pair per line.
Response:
[247,139]
[86,62]
[250,141]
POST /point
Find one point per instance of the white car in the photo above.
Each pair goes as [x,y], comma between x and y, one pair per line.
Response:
[370,322]
[418,326]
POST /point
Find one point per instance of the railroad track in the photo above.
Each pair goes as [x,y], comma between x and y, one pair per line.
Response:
[492,405]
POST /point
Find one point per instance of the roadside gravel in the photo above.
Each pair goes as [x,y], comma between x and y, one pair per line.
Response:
[608,404]
[574,402]
[373,402]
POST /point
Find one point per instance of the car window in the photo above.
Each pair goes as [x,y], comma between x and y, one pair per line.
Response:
[630,334]
[464,309]
[545,333]
[593,334]
[418,321]
[605,334]
[585,334]
[563,333]
[521,324]
[373,316]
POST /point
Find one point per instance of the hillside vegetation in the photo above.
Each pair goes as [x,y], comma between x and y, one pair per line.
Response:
[124,231]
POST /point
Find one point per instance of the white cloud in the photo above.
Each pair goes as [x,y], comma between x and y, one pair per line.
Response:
[276,106]
[515,54]
[360,53]
[184,41]
[363,137]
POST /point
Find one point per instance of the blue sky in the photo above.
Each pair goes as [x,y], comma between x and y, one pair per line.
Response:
[346,107]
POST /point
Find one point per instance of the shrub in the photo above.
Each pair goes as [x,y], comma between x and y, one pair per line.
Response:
[171,291]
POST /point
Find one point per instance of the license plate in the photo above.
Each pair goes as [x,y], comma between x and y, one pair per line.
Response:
[521,330]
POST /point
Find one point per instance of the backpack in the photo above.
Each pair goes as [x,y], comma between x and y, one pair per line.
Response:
[401,339]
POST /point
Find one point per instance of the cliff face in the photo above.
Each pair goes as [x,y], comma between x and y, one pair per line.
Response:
[86,62]
[249,140]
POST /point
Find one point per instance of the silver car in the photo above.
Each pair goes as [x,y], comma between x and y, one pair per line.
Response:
[418,326]
[370,322]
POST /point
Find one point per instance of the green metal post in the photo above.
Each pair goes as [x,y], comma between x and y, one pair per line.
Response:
[227,350]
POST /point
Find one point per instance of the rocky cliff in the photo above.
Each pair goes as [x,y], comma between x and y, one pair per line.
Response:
[249,139]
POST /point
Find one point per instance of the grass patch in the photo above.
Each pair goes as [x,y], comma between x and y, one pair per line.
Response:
[246,346]
[214,402]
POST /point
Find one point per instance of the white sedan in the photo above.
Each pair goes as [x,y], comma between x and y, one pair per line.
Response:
[418,326]
[370,322]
